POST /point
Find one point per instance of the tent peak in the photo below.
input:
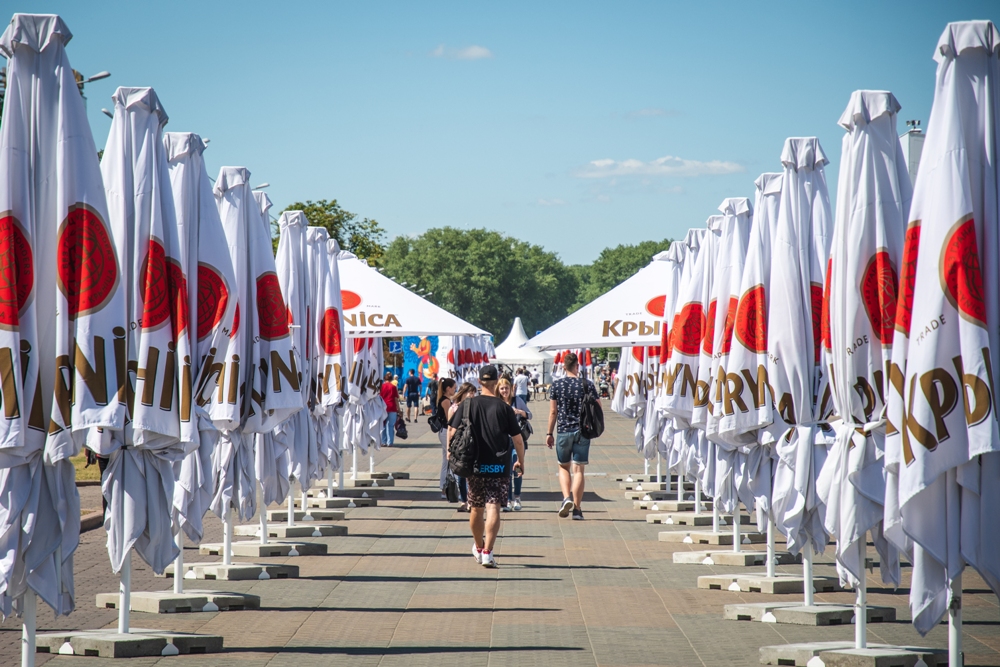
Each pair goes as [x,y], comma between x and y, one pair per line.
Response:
[143,98]
[231,178]
[736,206]
[867,105]
[34,31]
[962,35]
[181,144]
[769,182]
[803,153]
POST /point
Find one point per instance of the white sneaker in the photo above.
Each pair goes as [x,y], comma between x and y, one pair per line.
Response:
[477,553]
[517,505]
[487,559]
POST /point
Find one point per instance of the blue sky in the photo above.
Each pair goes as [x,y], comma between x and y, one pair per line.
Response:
[547,121]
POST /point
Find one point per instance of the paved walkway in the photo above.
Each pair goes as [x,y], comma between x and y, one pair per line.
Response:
[402,588]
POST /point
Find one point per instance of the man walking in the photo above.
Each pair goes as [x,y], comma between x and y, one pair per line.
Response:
[391,397]
[494,430]
[411,389]
[521,384]
[572,449]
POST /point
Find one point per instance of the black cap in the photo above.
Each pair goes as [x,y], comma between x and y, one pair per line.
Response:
[488,372]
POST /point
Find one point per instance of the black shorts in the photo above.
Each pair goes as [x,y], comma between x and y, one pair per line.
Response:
[413,401]
[485,490]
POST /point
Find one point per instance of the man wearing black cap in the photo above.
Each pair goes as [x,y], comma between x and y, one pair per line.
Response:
[494,430]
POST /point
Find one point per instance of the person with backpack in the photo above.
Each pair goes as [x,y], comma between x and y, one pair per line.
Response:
[567,400]
[438,422]
[505,389]
[480,436]
[467,390]
[411,389]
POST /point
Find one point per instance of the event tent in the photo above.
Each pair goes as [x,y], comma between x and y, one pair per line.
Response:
[377,307]
[630,314]
[514,352]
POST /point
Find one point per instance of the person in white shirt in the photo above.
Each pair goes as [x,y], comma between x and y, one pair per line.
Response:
[521,384]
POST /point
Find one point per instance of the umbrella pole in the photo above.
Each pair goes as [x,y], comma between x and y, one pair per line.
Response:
[698,507]
[955,656]
[329,482]
[807,574]
[30,604]
[227,537]
[861,603]
[263,517]
[371,463]
[659,478]
[125,594]
[179,563]
[645,466]
[354,462]
[715,514]
[306,516]
[291,507]
[770,545]
[736,519]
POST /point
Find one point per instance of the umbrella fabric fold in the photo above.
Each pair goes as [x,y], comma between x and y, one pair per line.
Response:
[211,308]
[330,366]
[139,481]
[942,438]
[54,215]
[364,410]
[261,377]
[858,316]
[800,250]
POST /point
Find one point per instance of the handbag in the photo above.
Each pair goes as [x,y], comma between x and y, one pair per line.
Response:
[526,429]
[451,488]
[401,430]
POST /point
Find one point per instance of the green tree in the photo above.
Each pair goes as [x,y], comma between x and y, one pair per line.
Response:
[485,277]
[614,266]
[364,237]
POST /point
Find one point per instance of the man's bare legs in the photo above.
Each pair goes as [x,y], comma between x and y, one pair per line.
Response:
[485,525]
[572,485]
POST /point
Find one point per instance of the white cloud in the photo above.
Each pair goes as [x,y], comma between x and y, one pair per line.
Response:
[551,202]
[663,166]
[473,52]
[653,112]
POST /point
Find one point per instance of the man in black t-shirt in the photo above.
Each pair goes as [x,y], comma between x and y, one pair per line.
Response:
[411,389]
[494,431]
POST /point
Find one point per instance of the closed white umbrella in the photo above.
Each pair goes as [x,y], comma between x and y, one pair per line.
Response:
[261,380]
[330,373]
[364,411]
[942,438]
[801,246]
[163,428]
[859,314]
[62,306]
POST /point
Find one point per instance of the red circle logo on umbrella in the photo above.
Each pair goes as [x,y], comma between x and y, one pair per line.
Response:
[17,274]
[85,261]
[825,315]
[751,320]
[908,278]
[878,291]
[349,299]
[213,297]
[329,332]
[271,315]
[164,291]
[727,333]
[689,329]
[657,305]
[236,321]
[816,296]
[961,274]
[638,353]
[709,341]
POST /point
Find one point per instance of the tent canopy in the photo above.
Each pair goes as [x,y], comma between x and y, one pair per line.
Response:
[377,307]
[630,314]
[512,353]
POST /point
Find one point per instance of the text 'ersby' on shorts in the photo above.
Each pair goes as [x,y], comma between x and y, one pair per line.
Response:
[572,447]
[485,490]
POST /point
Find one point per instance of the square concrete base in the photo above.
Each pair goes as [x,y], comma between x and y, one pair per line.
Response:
[269,550]
[826,614]
[235,571]
[368,482]
[653,486]
[281,516]
[651,495]
[708,537]
[325,503]
[168,602]
[642,478]
[283,531]
[700,519]
[382,475]
[138,643]
[659,505]
[760,583]
[843,654]
[349,492]
[675,506]
[740,559]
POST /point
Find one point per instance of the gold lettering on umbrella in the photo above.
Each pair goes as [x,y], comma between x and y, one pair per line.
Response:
[786,408]
[148,376]
[867,394]
[670,377]
[941,392]
[688,381]
[94,377]
[734,394]
[234,380]
[169,379]
[290,373]
[186,390]
[8,385]
[62,391]
[757,385]
[980,391]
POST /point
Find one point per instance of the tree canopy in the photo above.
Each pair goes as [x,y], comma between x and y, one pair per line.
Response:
[364,237]
[485,277]
[613,266]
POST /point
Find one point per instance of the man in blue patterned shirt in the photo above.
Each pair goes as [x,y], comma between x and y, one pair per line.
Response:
[572,449]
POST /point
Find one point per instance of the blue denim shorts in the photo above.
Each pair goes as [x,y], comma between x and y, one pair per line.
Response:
[572,446]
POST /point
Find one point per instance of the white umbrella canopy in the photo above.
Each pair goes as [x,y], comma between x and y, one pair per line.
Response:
[516,351]
[364,410]
[54,215]
[375,306]
[859,313]
[942,458]
[629,314]
[262,377]
[211,308]
[330,343]
[798,266]
[139,481]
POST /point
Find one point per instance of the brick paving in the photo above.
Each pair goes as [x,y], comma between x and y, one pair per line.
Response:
[402,589]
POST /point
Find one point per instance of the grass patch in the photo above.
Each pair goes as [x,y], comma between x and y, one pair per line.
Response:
[83,473]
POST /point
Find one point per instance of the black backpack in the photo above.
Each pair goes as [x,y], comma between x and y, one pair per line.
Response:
[462,451]
[591,414]
[438,420]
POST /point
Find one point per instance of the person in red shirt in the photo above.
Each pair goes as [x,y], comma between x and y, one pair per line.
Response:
[391,397]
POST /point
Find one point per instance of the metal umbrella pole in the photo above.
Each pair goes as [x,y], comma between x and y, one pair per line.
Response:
[179,562]
[955,655]
[861,603]
[29,602]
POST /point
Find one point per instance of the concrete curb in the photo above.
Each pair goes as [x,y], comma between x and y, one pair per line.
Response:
[91,521]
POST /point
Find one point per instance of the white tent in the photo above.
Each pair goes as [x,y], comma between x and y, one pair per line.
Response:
[512,353]
[377,307]
[630,314]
